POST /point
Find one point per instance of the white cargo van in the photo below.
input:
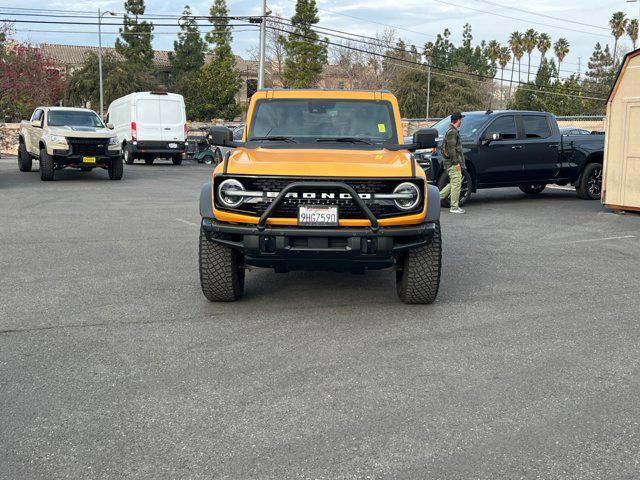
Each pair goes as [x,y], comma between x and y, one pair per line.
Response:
[150,125]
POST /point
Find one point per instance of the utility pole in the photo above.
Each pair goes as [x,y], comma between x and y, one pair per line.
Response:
[263,46]
[579,66]
[100,15]
[428,85]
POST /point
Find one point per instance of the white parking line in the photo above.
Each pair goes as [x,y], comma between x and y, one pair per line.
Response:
[602,239]
[186,221]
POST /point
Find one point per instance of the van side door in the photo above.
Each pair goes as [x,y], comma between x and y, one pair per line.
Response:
[541,148]
[499,162]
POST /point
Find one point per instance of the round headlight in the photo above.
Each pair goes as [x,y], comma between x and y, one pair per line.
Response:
[411,196]
[226,192]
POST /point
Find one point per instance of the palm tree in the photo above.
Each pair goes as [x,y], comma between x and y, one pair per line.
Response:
[561,49]
[503,59]
[493,51]
[515,44]
[544,44]
[529,43]
[632,31]
[618,24]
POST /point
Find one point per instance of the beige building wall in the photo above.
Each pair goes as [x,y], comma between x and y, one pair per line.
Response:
[621,181]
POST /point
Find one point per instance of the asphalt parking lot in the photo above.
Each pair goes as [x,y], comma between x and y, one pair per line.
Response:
[113,364]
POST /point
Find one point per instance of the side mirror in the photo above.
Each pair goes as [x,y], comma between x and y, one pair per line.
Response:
[491,137]
[425,138]
[36,123]
[220,136]
[110,126]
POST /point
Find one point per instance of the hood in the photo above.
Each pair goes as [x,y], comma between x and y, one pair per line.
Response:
[322,162]
[82,132]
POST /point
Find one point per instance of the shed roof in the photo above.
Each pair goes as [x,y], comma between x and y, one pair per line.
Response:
[623,64]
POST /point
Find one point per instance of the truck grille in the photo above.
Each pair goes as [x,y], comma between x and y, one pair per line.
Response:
[88,146]
[347,208]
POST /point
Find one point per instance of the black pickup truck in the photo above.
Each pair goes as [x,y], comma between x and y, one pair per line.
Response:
[513,148]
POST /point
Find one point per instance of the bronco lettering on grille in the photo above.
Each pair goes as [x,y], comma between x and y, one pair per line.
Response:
[322,196]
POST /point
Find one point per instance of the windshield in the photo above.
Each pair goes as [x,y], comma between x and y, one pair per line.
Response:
[316,120]
[60,118]
[471,123]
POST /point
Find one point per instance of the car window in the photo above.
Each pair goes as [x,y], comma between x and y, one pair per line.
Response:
[37,115]
[536,126]
[506,126]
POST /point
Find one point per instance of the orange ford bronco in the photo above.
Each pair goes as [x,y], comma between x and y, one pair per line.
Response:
[321,180]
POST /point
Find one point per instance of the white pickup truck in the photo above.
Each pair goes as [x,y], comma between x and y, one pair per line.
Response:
[61,137]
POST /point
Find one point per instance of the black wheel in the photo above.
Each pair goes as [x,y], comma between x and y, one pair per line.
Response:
[418,275]
[177,159]
[127,156]
[221,271]
[25,162]
[115,169]
[590,186]
[465,190]
[46,166]
[533,189]
[149,160]
[207,159]
[217,156]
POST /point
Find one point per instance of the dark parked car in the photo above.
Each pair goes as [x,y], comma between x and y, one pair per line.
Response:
[522,149]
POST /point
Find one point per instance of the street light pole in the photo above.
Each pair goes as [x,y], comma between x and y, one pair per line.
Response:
[263,41]
[100,15]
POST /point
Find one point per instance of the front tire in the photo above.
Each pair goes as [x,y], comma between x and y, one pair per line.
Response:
[116,169]
[418,280]
[127,156]
[533,189]
[177,159]
[25,162]
[221,271]
[465,189]
[207,160]
[590,187]
[46,166]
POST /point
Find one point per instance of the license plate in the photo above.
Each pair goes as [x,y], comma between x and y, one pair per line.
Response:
[173,145]
[317,216]
[88,159]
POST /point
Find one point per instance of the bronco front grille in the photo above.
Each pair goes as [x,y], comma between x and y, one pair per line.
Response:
[88,146]
[347,209]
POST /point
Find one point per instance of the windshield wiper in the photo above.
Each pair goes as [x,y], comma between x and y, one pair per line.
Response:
[345,140]
[273,138]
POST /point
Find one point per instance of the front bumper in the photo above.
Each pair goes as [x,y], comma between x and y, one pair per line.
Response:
[149,146]
[299,248]
[62,157]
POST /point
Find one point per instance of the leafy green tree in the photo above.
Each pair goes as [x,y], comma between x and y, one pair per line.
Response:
[632,31]
[618,24]
[135,43]
[212,94]
[561,49]
[189,49]
[599,77]
[306,55]
[119,80]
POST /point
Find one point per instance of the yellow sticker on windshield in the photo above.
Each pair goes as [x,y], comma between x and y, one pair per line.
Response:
[382,128]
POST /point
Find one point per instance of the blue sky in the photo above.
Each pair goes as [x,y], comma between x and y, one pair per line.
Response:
[417,21]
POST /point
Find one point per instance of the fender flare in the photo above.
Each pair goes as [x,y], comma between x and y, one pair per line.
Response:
[206,205]
[433,204]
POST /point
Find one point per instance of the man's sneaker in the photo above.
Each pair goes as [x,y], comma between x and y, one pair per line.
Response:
[458,210]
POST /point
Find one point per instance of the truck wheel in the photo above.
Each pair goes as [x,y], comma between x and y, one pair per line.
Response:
[177,159]
[149,161]
[590,186]
[418,279]
[24,159]
[46,166]
[128,156]
[465,190]
[533,189]
[221,271]
[115,169]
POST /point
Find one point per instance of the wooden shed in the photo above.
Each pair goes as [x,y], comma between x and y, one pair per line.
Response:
[621,177]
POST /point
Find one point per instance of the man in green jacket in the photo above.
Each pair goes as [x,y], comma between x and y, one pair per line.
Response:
[453,162]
